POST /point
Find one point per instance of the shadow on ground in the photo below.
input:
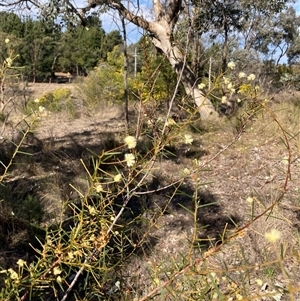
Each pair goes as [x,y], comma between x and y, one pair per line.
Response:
[210,216]
[38,160]
[45,167]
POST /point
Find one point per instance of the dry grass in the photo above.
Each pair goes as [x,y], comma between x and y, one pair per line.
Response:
[36,90]
[254,166]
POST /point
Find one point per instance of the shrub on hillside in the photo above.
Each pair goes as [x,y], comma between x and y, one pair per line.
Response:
[55,101]
[103,86]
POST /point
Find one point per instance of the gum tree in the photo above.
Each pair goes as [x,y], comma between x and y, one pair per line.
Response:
[159,26]
[259,25]
[160,30]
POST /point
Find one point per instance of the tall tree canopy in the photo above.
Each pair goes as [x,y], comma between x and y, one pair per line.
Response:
[11,23]
[47,47]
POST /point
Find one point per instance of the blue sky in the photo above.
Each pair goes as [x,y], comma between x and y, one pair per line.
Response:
[297,6]
[109,23]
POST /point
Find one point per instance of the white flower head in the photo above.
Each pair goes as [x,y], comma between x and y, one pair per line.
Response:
[130,159]
[36,100]
[92,210]
[285,160]
[250,200]
[230,86]
[130,141]
[242,75]
[224,99]
[170,122]
[201,86]
[188,139]
[56,271]
[13,274]
[21,263]
[6,41]
[273,235]
[9,61]
[226,80]
[186,171]
[92,237]
[99,188]
[41,109]
[251,76]
[231,65]
[118,178]
[117,285]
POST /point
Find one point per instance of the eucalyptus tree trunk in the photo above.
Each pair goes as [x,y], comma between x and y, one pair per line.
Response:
[161,33]
[163,42]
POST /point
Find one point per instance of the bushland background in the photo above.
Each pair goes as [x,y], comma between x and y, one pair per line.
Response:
[208,209]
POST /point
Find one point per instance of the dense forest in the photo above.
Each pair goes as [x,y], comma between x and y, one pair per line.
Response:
[44,48]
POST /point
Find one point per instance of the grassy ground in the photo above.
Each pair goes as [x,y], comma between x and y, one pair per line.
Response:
[239,178]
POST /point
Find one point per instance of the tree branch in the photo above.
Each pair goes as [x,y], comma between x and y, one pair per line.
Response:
[8,3]
[173,10]
[117,5]
[158,11]
[137,20]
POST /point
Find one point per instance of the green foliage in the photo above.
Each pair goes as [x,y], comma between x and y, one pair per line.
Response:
[9,74]
[104,85]
[11,23]
[81,47]
[54,101]
[110,40]
[29,209]
[156,81]
[45,47]
[37,50]
[281,34]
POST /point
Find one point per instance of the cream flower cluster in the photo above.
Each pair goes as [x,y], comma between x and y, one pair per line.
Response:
[130,142]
